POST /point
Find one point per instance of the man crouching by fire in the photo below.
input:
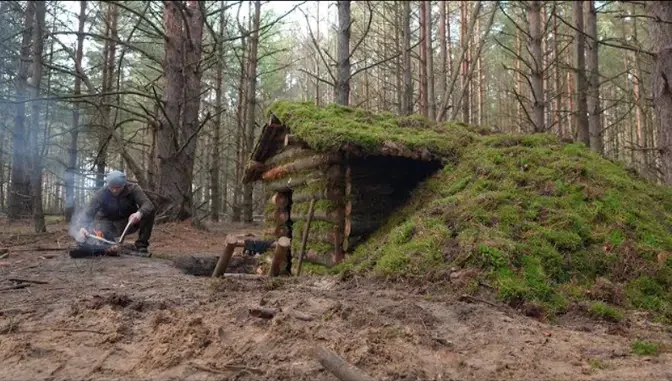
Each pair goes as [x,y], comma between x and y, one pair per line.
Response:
[114,206]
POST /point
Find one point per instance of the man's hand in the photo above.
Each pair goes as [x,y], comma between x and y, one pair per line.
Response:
[135,217]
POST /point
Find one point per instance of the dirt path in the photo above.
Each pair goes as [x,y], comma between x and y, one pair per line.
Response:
[139,318]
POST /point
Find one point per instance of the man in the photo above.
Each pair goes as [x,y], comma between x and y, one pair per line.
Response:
[114,205]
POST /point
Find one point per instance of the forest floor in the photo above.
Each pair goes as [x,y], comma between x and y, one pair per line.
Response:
[141,318]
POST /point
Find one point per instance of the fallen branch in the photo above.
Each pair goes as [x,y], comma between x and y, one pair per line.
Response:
[27,281]
[264,313]
[3,256]
[66,330]
[16,287]
[99,364]
[339,367]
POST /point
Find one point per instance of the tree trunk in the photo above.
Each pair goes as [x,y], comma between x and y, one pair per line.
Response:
[215,168]
[465,63]
[660,13]
[557,87]
[251,93]
[176,137]
[431,99]
[580,76]
[424,109]
[537,77]
[35,82]
[407,108]
[398,61]
[594,109]
[519,81]
[74,133]
[19,193]
[239,136]
[443,73]
[342,88]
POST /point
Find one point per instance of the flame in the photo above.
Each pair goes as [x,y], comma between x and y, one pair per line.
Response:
[98,233]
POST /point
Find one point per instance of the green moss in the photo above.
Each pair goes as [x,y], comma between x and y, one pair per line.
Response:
[645,348]
[333,126]
[541,218]
[603,311]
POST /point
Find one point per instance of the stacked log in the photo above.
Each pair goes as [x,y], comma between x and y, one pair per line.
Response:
[293,177]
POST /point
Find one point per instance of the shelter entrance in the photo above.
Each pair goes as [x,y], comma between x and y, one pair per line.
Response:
[378,186]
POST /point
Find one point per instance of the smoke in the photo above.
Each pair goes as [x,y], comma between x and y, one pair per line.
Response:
[78,221]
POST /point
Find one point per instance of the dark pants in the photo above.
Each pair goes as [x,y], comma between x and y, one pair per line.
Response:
[112,229]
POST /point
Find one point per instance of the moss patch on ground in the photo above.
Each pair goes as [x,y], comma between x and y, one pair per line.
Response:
[541,220]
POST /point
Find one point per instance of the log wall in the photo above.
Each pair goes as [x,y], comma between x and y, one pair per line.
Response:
[294,176]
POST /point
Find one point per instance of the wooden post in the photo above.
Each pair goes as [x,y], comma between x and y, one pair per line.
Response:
[304,239]
[339,367]
[279,255]
[225,258]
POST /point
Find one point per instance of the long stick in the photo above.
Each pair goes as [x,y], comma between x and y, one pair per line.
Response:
[339,367]
[304,239]
[123,235]
[225,257]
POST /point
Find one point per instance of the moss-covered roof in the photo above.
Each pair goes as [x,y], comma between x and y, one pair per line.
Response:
[337,127]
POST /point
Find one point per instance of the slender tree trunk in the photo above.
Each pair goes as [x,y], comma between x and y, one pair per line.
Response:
[431,99]
[580,76]
[660,13]
[398,61]
[465,63]
[317,61]
[251,93]
[407,108]
[19,194]
[443,73]
[593,101]
[342,89]
[640,114]
[423,60]
[239,136]
[74,133]
[215,168]
[537,77]
[35,82]
[519,81]
[557,87]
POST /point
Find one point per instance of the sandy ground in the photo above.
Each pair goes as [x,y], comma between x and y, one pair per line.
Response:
[140,318]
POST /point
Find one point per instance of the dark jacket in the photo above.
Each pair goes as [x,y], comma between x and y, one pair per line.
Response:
[131,199]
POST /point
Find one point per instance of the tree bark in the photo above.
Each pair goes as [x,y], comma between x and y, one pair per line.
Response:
[176,137]
[342,88]
[251,93]
[660,13]
[431,99]
[594,109]
[557,87]
[537,77]
[35,82]
[423,60]
[19,193]
[465,63]
[581,115]
[74,133]
[215,168]
[407,108]
[443,74]
[239,136]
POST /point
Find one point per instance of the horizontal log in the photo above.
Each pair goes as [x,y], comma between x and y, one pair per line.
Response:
[319,215]
[307,196]
[288,153]
[314,161]
[293,140]
[293,182]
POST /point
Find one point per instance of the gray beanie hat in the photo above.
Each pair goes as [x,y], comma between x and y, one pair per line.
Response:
[116,178]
